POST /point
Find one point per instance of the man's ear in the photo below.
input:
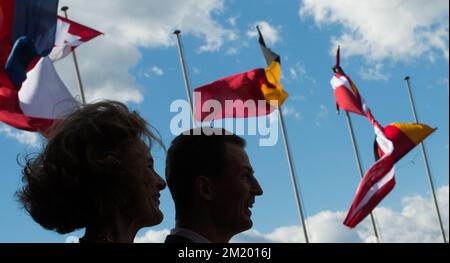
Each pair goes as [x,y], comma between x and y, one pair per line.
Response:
[204,187]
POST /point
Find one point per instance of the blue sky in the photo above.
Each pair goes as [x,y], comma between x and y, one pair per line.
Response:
[136,61]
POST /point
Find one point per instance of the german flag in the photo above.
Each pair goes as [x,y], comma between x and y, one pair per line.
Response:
[273,73]
[249,94]
[404,136]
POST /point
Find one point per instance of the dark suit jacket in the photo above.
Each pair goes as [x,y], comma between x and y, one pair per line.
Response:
[176,239]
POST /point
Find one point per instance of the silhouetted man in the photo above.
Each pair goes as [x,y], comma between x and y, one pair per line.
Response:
[212,184]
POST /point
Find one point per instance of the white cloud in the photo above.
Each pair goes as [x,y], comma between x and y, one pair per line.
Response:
[153,236]
[31,139]
[297,98]
[444,82]
[321,115]
[105,62]
[291,111]
[196,70]
[324,227]
[298,72]
[152,71]
[395,29]
[72,239]
[374,73]
[416,222]
[271,33]
[232,21]
[293,73]
[232,51]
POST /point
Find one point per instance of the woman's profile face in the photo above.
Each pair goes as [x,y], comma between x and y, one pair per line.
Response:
[147,190]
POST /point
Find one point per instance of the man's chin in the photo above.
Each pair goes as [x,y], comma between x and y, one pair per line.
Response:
[248,223]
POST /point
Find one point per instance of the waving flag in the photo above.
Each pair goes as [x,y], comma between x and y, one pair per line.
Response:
[236,96]
[378,181]
[405,136]
[345,91]
[274,92]
[249,94]
[391,144]
[69,35]
[32,26]
[6,34]
[42,99]
[347,95]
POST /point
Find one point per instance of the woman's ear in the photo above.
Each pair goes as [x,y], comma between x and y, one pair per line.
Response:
[109,159]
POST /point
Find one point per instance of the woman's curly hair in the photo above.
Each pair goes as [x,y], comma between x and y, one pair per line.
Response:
[83,173]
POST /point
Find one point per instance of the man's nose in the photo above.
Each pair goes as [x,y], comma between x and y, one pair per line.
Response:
[256,187]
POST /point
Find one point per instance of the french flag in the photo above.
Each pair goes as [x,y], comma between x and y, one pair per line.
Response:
[32,96]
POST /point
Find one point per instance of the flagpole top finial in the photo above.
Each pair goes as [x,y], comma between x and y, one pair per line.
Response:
[407,78]
[64,8]
[177,32]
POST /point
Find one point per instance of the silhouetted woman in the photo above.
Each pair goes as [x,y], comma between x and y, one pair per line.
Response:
[95,172]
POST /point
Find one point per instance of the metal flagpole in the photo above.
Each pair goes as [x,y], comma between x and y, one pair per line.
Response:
[75,61]
[293,176]
[358,161]
[185,74]
[271,56]
[425,158]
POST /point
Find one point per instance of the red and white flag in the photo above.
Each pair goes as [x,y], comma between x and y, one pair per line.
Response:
[42,100]
[378,181]
[69,35]
[347,95]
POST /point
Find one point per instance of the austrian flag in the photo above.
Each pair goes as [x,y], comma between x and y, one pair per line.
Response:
[347,95]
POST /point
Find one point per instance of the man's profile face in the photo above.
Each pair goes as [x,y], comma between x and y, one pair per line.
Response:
[235,191]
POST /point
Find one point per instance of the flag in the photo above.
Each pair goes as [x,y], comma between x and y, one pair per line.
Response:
[6,24]
[405,136]
[269,55]
[69,35]
[42,100]
[249,94]
[30,29]
[236,96]
[378,181]
[273,92]
[346,93]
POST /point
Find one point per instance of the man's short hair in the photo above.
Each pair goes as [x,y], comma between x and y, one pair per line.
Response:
[197,152]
